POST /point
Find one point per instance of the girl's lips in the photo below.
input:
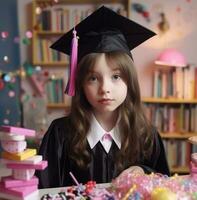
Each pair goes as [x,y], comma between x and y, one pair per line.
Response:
[105,101]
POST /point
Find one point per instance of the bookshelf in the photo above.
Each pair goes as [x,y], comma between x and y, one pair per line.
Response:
[178,150]
[168,100]
[173,110]
[50,20]
[58,106]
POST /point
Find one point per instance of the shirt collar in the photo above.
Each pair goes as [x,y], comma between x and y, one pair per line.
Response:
[96,132]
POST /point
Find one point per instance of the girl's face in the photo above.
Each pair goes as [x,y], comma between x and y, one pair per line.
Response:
[104,87]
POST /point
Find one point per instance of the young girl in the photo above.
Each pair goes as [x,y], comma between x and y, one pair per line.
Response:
[106,131]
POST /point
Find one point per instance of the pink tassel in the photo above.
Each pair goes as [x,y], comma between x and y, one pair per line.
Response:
[70,90]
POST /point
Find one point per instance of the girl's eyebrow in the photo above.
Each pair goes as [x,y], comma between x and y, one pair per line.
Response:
[113,69]
[116,69]
[91,71]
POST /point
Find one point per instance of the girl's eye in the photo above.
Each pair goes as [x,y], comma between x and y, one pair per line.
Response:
[116,77]
[92,78]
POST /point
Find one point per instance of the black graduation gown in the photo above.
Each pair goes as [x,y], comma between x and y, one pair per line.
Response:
[101,169]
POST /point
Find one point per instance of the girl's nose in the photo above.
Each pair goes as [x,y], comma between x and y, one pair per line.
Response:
[105,87]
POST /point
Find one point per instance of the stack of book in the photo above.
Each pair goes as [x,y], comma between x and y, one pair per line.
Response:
[55,90]
[176,82]
[21,184]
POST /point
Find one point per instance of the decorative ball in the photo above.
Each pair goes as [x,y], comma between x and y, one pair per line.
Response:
[171,57]
[163,194]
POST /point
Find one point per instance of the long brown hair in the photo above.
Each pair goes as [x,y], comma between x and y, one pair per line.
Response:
[134,127]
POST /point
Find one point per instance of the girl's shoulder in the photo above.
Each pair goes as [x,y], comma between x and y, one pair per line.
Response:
[61,122]
[60,127]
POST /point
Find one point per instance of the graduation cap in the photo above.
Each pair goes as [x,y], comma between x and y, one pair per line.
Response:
[102,31]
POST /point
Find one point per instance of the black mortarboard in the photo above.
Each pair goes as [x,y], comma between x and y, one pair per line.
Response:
[104,31]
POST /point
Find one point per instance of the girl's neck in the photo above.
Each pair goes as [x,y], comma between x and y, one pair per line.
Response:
[107,120]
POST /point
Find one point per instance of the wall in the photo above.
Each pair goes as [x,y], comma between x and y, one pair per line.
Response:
[10,107]
[182,35]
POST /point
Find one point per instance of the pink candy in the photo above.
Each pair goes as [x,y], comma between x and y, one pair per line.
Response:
[181,185]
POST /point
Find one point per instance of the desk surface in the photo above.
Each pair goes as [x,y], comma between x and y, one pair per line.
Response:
[50,190]
[35,195]
[38,194]
[56,190]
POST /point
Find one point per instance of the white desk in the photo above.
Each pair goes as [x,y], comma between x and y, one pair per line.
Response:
[50,190]
[34,196]
[56,190]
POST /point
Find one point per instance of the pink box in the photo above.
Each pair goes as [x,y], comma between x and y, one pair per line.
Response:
[39,166]
[18,131]
[19,191]
[9,181]
[32,196]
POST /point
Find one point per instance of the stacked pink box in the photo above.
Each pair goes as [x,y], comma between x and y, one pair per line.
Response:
[23,162]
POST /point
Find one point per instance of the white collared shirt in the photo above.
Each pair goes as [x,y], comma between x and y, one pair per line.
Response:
[96,134]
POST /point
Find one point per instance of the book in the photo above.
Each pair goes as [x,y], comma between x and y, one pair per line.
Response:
[31,196]
[18,191]
[32,160]
[9,182]
[18,131]
[19,156]
[38,166]
[46,19]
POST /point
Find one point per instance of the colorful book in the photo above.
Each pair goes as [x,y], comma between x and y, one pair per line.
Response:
[31,196]
[31,160]
[9,182]
[19,156]
[18,191]
[18,131]
[38,166]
